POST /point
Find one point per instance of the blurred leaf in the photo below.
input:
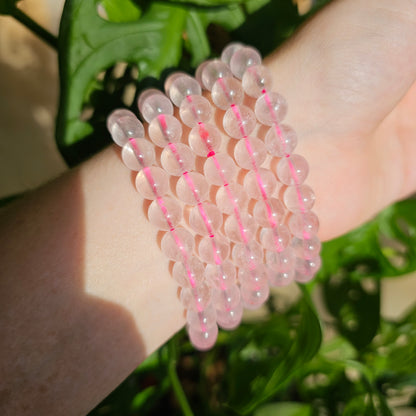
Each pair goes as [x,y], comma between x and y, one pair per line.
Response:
[367,405]
[8,6]
[121,10]
[284,409]
[196,39]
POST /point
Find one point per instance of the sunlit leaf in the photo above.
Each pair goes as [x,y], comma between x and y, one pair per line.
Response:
[284,409]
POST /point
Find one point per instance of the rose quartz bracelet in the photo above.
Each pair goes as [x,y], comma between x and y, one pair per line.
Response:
[227,233]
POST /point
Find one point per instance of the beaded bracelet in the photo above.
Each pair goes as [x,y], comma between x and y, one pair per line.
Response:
[227,233]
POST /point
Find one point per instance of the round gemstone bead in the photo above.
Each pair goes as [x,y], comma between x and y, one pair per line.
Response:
[306,269]
[196,298]
[198,72]
[269,213]
[219,169]
[248,151]
[240,230]
[122,125]
[206,318]
[260,184]
[178,86]
[205,218]
[192,188]
[152,182]
[227,91]
[231,197]
[204,139]
[254,298]
[281,140]
[153,103]
[190,273]
[221,276]
[270,108]
[214,70]
[306,248]
[292,170]
[165,214]
[203,339]
[178,245]
[254,278]
[165,129]
[277,238]
[304,224]
[248,254]
[283,261]
[299,198]
[195,109]
[278,279]
[230,319]
[229,51]
[214,249]
[256,80]
[239,121]
[177,158]
[242,59]
[227,298]
[138,153]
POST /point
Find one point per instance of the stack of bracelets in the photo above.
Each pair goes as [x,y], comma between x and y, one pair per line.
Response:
[228,235]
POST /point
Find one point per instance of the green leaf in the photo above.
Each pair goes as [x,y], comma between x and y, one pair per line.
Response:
[284,409]
[8,6]
[121,10]
[196,38]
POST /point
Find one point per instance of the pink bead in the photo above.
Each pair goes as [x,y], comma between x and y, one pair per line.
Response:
[242,230]
[253,278]
[242,59]
[214,70]
[227,298]
[268,213]
[281,140]
[308,248]
[270,108]
[190,273]
[277,238]
[231,197]
[196,298]
[292,170]
[230,319]
[307,269]
[261,184]
[203,340]
[248,255]
[138,153]
[249,150]
[198,72]
[153,103]
[299,198]
[279,279]
[204,319]
[205,218]
[229,51]
[304,224]
[122,125]
[221,276]
[227,91]
[195,109]
[204,139]
[177,158]
[254,298]
[219,169]
[179,85]
[192,188]
[165,129]
[178,245]
[165,214]
[283,261]
[214,249]
[256,80]
[239,121]
[152,182]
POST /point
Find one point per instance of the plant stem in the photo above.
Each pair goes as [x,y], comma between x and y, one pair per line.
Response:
[38,30]
[176,384]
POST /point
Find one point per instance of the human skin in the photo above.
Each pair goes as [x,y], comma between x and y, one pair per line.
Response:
[85,293]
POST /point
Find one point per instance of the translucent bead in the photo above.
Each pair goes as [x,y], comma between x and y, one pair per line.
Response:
[239,121]
[190,273]
[195,109]
[204,319]
[203,340]
[205,218]
[230,319]
[242,230]
[165,129]
[242,59]
[214,249]
[178,245]
[248,254]
[122,125]
[165,214]
[226,299]
[308,248]
[153,103]
[138,153]
[253,278]
[292,170]
[299,198]
[177,158]
[254,298]
[226,92]
[221,276]
[277,238]
[196,298]
[281,140]
[198,72]
[270,108]
[249,150]
[231,197]
[260,184]
[214,70]
[229,51]
[283,261]
[304,224]
[179,85]
[204,139]
[279,279]
[306,269]
[192,188]
[219,169]
[152,182]
[269,213]
[256,80]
